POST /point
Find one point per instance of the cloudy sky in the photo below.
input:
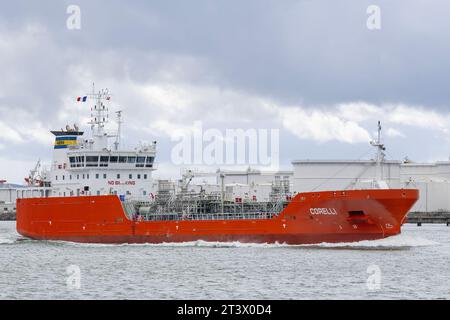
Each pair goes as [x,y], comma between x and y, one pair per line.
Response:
[311,69]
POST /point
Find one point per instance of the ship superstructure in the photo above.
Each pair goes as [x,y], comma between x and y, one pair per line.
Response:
[92,166]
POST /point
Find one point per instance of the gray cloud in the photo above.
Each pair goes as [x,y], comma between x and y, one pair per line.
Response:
[227,56]
[311,51]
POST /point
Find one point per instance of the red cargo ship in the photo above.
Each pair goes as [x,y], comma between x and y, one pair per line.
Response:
[339,216]
[103,195]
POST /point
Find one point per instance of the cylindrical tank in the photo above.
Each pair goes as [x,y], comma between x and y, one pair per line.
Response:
[144,210]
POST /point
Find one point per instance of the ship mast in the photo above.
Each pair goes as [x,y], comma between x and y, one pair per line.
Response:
[119,126]
[99,117]
[378,182]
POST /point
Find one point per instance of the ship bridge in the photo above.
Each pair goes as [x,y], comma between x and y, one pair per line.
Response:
[93,166]
[111,159]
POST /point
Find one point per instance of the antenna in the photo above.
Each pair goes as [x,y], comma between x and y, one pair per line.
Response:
[119,125]
[100,112]
[380,155]
[99,116]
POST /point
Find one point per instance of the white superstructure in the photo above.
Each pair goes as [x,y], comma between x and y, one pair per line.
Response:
[93,166]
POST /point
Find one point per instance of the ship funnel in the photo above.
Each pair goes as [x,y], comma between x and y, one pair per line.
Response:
[66,138]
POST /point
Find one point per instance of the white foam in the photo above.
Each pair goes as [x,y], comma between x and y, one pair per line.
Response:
[398,241]
[198,243]
[8,239]
[395,242]
[8,234]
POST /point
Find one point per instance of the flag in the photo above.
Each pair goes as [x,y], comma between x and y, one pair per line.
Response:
[82,99]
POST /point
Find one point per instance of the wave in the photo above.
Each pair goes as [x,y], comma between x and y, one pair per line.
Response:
[8,234]
[400,241]
[397,242]
[10,239]
[7,241]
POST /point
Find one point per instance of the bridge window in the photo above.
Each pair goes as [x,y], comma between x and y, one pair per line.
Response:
[118,176]
[145,176]
[138,176]
[80,161]
[140,162]
[104,176]
[76,161]
[91,161]
[122,159]
[113,159]
[104,161]
[130,176]
[149,162]
[72,161]
[131,160]
[97,176]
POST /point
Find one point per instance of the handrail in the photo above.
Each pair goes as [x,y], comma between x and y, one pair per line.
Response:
[208,217]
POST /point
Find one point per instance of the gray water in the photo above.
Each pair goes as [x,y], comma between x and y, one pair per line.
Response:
[413,265]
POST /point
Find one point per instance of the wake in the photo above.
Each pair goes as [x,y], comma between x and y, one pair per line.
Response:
[398,242]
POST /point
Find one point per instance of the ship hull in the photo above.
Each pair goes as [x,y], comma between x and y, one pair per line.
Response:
[331,216]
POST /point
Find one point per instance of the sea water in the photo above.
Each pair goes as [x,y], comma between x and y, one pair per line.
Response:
[413,265]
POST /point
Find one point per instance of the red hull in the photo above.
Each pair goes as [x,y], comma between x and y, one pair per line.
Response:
[309,218]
